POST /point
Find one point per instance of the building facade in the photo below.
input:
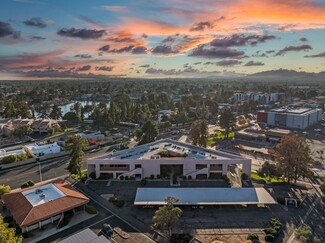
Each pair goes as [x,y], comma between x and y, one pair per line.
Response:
[295,118]
[165,158]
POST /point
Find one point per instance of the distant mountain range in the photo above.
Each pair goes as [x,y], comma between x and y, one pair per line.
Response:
[285,74]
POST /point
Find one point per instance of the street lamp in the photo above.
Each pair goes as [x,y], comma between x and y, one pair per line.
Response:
[40,169]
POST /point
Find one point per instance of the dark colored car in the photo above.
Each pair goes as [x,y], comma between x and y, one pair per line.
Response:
[107,230]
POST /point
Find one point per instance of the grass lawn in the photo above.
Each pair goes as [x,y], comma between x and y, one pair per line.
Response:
[254,175]
[219,136]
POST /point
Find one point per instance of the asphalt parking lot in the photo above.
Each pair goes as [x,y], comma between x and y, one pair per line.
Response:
[135,236]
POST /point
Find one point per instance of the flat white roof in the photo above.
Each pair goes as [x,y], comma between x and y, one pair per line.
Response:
[204,196]
[145,151]
[36,147]
[43,194]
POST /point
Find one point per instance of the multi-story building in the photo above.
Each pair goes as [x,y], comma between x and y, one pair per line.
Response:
[294,118]
[165,158]
[261,98]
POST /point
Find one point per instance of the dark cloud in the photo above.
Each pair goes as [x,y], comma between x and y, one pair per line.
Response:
[36,22]
[169,39]
[197,63]
[270,51]
[228,62]
[144,36]
[252,63]
[104,48]
[121,50]
[287,27]
[139,50]
[84,68]
[7,31]
[293,48]
[202,25]
[82,33]
[105,68]
[303,39]
[37,37]
[132,49]
[241,40]
[144,66]
[208,63]
[259,54]
[208,51]
[83,56]
[163,49]
[316,55]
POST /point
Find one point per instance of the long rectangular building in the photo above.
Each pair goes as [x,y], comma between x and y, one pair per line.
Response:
[297,118]
[165,158]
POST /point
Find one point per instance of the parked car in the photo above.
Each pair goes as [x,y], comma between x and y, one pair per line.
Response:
[107,230]
[317,130]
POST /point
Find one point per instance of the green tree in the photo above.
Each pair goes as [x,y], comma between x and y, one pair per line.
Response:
[268,170]
[9,159]
[44,111]
[7,235]
[56,112]
[71,117]
[293,156]
[227,120]
[76,145]
[305,235]
[147,133]
[4,189]
[166,217]
[22,131]
[199,133]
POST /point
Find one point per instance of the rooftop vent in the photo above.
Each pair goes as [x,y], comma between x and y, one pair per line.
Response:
[42,195]
[38,191]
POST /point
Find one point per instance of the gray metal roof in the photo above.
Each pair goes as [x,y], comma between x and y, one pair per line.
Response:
[85,236]
[204,196]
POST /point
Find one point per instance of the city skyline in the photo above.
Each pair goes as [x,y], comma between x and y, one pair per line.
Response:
[149,39]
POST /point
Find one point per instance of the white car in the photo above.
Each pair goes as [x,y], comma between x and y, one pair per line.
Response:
[317,130]
[323,124]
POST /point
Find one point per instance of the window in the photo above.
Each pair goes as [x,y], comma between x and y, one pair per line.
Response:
[200,166]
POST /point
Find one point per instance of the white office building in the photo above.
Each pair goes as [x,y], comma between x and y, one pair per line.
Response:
[164,158]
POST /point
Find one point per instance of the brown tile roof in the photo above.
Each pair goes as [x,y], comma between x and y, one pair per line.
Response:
[25,214]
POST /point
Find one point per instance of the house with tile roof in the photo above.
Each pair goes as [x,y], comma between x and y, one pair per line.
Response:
[43,204]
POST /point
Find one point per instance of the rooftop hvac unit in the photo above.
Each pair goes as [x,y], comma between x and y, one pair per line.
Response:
[42,195]
[38,191]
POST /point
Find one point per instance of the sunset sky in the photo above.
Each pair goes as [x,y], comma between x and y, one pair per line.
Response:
[153,38]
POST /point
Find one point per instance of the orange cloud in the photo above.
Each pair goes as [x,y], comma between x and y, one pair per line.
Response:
[278,11]
[150,27]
